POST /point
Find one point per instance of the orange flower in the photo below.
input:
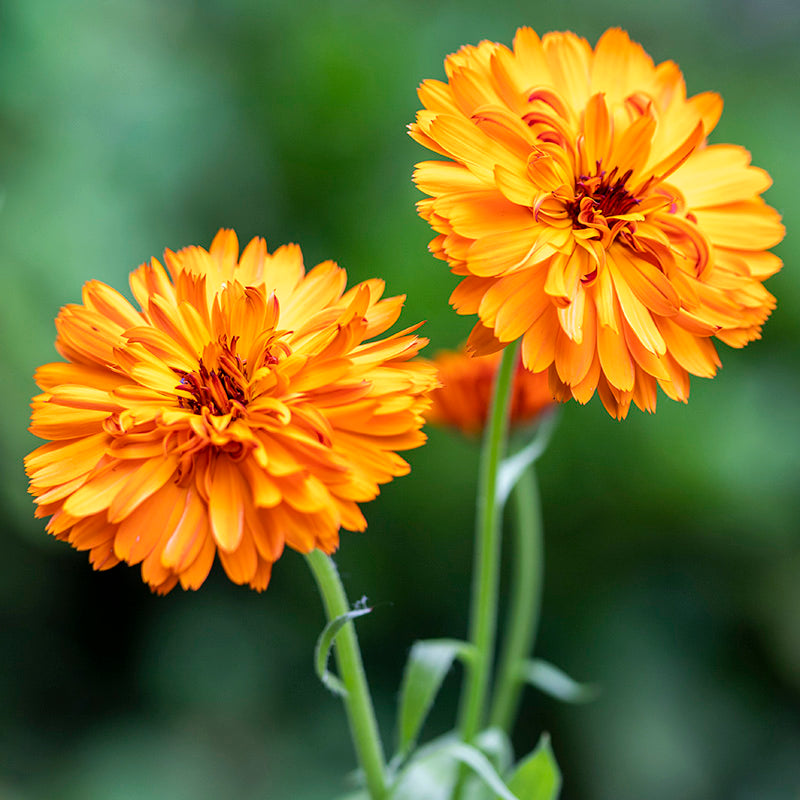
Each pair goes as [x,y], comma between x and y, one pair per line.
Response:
[465,395]
[587,215]
[240,410]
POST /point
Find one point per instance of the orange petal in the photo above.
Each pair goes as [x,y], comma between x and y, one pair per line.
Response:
[501,253]
[635,312]
[615,358]
[720,171]
[746,225]
[228,494]
[98,492]
[148,478]
[539,342]
[573,359]
[483,213]
[597,127]
[192,577]
[647,282]
[569,58]
[188,535]
[59,462]
[241,563]
[693,353]
[514,303]
[530,57]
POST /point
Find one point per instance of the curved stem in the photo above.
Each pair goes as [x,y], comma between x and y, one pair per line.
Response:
[483,611]
[360,711]
[526,597]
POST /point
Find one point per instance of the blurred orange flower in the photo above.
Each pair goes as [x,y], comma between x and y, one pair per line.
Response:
[465,395]
[240,410]
[587,215]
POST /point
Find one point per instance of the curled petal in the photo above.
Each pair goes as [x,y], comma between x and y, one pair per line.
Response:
[246,407]
[637,223]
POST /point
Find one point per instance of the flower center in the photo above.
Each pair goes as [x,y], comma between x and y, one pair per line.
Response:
[222,388]
[600,197]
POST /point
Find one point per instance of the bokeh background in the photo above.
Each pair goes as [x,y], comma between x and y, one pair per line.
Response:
[673,554]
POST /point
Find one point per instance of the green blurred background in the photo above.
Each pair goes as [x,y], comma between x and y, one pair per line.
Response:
[673,555]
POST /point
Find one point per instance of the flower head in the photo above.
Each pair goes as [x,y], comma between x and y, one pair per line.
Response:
[241,409]
[465,395]
[587,215]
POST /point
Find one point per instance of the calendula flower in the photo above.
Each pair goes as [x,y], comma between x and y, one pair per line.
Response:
[463,399]
[240,410]
[587,215]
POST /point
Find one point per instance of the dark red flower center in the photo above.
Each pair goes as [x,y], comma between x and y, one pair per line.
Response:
[222,389]
[602,195]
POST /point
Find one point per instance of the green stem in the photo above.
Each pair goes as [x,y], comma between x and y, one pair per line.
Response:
[526,597]
[483,611]
[360,712]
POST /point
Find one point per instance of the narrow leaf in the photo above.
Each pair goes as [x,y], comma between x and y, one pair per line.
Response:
[325,642]
[537,776]
[552,681]
[496,746]
[482,767]
[428,664]
[514,465]
[430,774]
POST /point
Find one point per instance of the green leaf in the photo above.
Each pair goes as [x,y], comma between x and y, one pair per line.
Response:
[552,681]
[496,746]
[325,642]
[482,767]
[431,774]
[428,664]
[537,777]
[433,771]
[514,465]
